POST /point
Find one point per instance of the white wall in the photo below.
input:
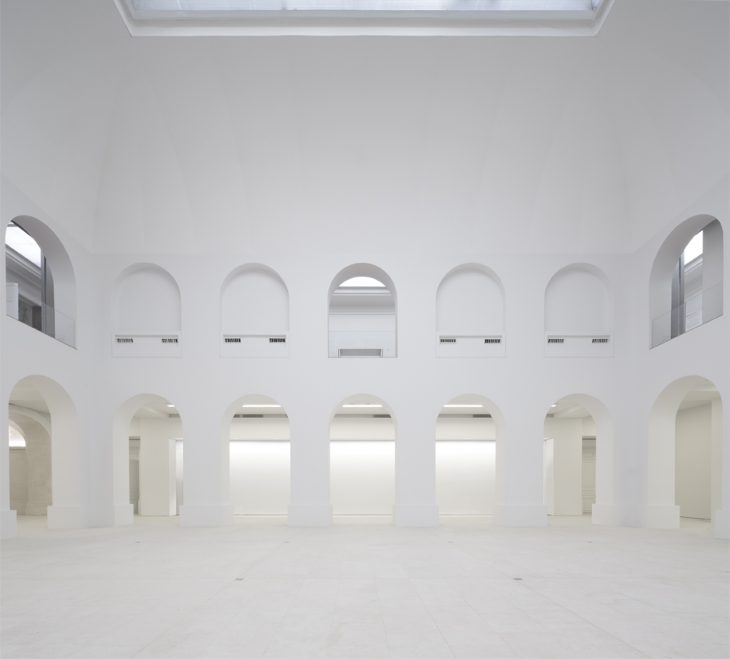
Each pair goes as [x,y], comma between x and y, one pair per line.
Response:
[157,468]
[18,480]
[577,302]
[693,465]
[255,301]
[469,302]
[147,301]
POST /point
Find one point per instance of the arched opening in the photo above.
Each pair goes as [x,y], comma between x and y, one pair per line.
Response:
[470,313]
[39,279]
[44,452]
[686,284]
[578,313]
[147,316]
[362,457]
[254,313]
[685,454]
[467,431]
[148,459]
[362,313]
[259,456]
[578,459]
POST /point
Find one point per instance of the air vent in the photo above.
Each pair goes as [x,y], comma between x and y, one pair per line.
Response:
[125,339]
[360,352]
[481,416]
[447,339]
[232,339]
[249,416]
[277,339]
[493,339]
[554,339]
[169,339]
[600,339]
[381,416]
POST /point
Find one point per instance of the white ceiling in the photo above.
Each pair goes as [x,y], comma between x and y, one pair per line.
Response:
[520,144]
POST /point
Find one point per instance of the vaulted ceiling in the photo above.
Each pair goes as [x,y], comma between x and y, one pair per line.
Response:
[517,144]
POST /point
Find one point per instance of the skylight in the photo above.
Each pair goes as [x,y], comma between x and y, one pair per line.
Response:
[694,248]
[23,243]
[362,282]
[357,17]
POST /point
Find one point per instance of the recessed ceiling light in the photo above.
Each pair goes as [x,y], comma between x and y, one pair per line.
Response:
[362,405]
[554,405]
[464,405]
[170,405]
[261,405]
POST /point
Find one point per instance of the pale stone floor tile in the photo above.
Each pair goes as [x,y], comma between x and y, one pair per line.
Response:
[363,589]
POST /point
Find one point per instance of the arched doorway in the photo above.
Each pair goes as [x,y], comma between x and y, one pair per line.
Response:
[259,456]
[362,457]
[45,454]
[148,459]
[467,430]
[685,454]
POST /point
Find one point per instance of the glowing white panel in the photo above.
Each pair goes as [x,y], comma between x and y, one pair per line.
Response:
[694,248]
[23,243]
[362,282]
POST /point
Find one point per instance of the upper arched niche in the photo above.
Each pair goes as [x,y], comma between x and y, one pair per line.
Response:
[578,312]
[685,285]
[41,286]
[470,313]
[362,307]
[146,310]
[254,312]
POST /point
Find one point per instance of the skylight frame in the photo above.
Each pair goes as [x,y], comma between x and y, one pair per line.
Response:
[482,18]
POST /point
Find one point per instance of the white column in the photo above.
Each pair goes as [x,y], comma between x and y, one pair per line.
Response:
[157,495]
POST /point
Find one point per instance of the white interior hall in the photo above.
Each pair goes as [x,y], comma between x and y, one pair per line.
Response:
[417,281]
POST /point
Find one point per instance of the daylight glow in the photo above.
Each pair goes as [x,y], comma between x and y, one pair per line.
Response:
[259,405]
[362,282]
[15,439]
[362,405]
[464,405]
[694,248]
[23,244]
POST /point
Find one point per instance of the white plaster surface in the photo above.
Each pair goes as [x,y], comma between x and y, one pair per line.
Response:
[364,589]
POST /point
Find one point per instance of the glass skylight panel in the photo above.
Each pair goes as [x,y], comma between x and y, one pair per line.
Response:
[694,248]
[357,17]
[211,6]
[22,243]
[362,282]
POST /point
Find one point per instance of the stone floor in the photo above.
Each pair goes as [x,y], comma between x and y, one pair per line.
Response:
[365,589]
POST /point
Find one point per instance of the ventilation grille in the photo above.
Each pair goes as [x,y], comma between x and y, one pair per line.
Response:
[277,339]
[554,339]
[381,416]
[125,339]
[169,339]
[481,416]
[600,339]
[232,339]
[493,339]
[360,352]
[447,339]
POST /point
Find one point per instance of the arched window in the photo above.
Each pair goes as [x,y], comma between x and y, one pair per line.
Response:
[470,313]
[686,279]
[40,285]
[147,313]
[362,313]
[578,315]
[254,313]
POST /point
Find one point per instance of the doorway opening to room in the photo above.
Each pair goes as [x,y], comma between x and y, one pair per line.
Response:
[466,458]
[148,460]
[259,457]
[576,459]
[362,460]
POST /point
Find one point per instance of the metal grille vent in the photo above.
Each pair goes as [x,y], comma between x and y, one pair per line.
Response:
[553,339]
[169,339]
[232,339]
[125,339]
[602,339]
[277,339]
[360,352]
[447,339]
[493,339]
[481,416]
